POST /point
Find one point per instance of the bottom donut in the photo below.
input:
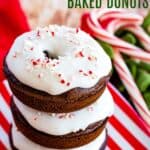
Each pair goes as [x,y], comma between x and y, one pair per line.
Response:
[20,142]
[67,141]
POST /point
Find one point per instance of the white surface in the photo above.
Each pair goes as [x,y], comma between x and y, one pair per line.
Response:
[60,124]
[22,143]
[66,44]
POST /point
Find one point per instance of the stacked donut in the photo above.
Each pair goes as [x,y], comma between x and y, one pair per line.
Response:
[58,76]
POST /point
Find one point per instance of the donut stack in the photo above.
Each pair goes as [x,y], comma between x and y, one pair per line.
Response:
[58,76]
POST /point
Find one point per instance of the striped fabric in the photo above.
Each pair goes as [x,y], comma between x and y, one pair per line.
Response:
[126,130]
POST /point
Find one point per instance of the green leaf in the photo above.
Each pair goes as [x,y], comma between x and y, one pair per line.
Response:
[144,66]
[130,38]
[133,70]
[108,48]
[143,80]
[147,99]
[146,23]
[121,88]
[132,67]
[121,33]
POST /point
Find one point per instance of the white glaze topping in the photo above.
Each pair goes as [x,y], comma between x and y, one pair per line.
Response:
[60,124]
[79,59]
[23,143]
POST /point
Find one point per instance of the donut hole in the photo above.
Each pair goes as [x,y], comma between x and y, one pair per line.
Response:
[49,55]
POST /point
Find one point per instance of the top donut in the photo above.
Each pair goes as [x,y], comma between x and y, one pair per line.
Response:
[56,59]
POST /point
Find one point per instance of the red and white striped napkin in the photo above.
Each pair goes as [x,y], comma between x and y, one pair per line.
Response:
[126,130]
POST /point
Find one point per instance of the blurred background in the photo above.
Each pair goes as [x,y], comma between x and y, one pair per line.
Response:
[41,13]
[44,12]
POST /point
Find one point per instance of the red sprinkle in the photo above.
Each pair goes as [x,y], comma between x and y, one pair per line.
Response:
[34,63]
[77,30]
[53,33]
[35,118]
[15,55]
[54,65]
[38,60]
[89,58]
[62,116]
[39,75]
[90,72]
[80,70]
[59,75]
[31,48]
[81,54]
[68,84]
[62,81]
[71,115]
[47,61]
[85,74]
[38,33]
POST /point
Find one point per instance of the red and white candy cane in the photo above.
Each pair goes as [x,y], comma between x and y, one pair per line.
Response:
[102,24]
[140,34]
[131,87]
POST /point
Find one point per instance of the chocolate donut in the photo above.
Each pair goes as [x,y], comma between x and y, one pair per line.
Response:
[57,69]
[58,76]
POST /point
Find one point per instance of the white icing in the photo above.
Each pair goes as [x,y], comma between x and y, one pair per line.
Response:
[54,124]
[23,143]
[67,44]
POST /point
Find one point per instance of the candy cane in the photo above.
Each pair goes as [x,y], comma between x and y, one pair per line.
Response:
[101,33]
[129,83]
[102,24]
[142,36]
